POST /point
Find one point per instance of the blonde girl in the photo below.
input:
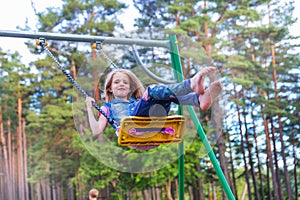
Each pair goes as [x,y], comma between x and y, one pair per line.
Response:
[125,96]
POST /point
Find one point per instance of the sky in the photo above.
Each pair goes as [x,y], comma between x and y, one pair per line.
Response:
[14,13]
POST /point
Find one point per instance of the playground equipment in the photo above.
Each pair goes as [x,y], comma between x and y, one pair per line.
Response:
[171,44]
[156,130]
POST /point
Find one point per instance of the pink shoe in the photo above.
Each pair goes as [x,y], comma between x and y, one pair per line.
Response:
[210,94]
[197,82]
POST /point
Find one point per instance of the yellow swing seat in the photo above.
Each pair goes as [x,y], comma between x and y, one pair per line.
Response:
[144,131]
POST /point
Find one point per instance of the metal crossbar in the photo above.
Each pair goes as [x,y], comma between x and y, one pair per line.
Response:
[85,38]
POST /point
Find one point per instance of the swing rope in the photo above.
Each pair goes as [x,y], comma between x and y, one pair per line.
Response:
[43,44]
[98,46]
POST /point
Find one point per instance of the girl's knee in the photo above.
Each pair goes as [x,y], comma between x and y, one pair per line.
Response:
[159,92]
[148,92]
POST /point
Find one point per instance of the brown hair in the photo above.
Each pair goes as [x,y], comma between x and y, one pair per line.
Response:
[136,87]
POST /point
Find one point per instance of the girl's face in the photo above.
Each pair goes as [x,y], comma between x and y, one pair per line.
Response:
[120,86]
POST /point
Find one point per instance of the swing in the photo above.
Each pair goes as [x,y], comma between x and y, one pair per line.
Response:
[134,130]
[144,131]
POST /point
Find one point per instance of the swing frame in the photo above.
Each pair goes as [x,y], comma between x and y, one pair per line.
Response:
[176,65]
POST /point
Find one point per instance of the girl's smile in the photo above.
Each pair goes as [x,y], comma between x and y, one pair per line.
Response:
[120,86]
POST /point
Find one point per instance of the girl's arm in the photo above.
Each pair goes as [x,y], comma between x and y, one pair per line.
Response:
[97,126]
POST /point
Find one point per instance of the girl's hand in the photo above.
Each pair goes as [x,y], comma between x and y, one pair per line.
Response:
[89,102]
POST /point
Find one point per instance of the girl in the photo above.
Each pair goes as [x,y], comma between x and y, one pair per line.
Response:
[125,96]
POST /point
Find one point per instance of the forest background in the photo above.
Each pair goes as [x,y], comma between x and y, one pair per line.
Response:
[43,156]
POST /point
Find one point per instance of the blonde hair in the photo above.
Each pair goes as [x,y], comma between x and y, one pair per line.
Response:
[93,194]
[136,87]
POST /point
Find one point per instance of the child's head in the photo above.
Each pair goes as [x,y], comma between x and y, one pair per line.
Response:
[136,86]
[93,194]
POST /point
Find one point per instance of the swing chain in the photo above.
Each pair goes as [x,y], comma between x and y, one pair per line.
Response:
[99,48]
[43,44]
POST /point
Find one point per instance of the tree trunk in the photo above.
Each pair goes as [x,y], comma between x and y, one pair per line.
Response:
[268,180]
[217,121]
[270,165]
[176,188]
[286,175]
[217,115]
[253,58]
[25,160]
[232,169]
[277,170]
[206,31]
[223,161]
[157,193]
[257,154]
[146,194]
[244,191]
[242,141]
[10,157]
[282,151]
[214,190]
[70,192]
[270,159]
[44,189]
[168,189]
[2,177]
[6,165]
[295,165]
[153,193]
[15,170]
[249,148]
[199,191]
[20,150]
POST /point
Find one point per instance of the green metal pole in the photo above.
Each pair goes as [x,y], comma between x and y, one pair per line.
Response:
[211,154]
[176,65]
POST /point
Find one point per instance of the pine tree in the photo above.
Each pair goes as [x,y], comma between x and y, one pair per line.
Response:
[53,152]
[15,77]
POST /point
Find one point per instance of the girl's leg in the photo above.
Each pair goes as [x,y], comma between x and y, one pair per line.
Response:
[203,100]
[162,107]
[152,107]
[157,98]
[167,92]
[191,99]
